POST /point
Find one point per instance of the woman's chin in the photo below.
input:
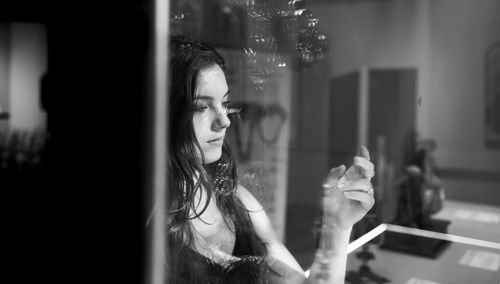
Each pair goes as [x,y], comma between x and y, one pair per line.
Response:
[212,156]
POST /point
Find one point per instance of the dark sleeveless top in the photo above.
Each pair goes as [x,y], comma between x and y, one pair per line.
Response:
[253,266]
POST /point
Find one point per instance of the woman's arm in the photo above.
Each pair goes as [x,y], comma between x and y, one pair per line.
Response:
[342,209]
[330,262]
[348,196]
[264,229]
[334,262]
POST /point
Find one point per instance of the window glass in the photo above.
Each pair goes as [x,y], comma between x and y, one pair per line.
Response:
[416,82]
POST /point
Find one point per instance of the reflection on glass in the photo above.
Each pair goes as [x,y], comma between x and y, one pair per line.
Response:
[217,231]
[458,260]
[407,79]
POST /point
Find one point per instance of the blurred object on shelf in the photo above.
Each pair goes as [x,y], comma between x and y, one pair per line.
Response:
[433,193]
[421,190]
[421,196]
[365,274]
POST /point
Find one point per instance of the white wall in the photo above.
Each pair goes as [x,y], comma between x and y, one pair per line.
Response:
[4,67]
[28,61]
[460,33]
[380,34]
[446,41]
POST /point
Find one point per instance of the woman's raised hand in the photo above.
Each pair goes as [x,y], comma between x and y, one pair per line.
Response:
[349,194]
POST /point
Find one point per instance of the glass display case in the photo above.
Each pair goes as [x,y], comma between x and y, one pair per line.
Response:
[456,260]
[313,85]
[312,80]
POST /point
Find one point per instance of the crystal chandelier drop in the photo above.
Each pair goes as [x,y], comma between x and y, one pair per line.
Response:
[272,34]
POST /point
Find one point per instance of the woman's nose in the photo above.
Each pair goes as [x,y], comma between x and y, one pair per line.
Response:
[221,119]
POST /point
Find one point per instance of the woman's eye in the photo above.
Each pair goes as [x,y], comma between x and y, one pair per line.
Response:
[201,108]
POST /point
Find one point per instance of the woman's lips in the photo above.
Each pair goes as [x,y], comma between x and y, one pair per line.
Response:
[218,141]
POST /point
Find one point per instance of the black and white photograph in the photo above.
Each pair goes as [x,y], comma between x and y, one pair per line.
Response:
[250,141]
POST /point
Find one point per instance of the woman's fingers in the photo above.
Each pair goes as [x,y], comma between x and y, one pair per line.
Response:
[362,163]
[363,152]
[366,168]
[333,176]
[360,184]
[365,197]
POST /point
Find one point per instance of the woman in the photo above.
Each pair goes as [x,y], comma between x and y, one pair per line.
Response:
[217,231]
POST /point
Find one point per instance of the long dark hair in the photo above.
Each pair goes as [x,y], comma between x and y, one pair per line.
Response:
[187,176]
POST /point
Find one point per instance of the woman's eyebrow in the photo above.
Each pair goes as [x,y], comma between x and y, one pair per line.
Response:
[210,98]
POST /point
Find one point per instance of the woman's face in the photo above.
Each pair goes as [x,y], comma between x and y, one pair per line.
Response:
[210,119]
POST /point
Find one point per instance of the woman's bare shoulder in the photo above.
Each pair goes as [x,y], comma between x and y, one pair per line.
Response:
[258,215]
[248,199]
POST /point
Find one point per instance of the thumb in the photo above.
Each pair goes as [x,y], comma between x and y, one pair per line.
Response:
[332,177]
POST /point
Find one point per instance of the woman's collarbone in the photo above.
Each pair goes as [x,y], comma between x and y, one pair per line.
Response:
[212,228]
